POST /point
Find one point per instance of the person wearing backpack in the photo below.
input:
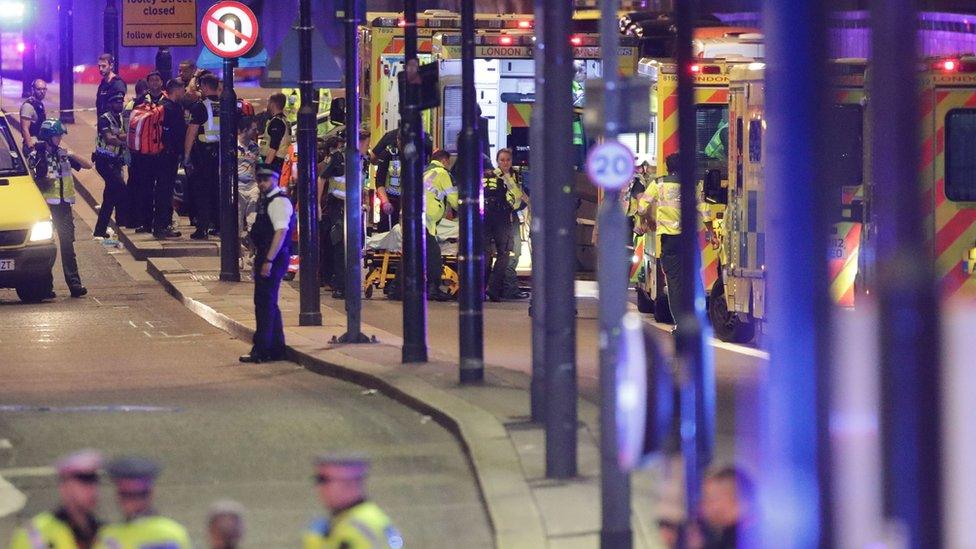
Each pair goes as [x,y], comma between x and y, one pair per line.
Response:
[109,156]
[147,162]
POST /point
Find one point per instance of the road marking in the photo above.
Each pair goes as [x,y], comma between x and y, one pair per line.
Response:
[5,444]
[76,409]
[719,344]
[22,472]
[12,500]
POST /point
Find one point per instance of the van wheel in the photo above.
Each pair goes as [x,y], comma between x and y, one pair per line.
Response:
[644,302]
[35,291]
[662,306]
[728,326]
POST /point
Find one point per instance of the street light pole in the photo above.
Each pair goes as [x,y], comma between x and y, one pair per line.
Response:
[910,336]
[698,385]
[310,304]
[66,84]
[414,256]
[230,246]
[612,277]
[471,257]
[354,183]
[537,169]
[164,63]
[559,258]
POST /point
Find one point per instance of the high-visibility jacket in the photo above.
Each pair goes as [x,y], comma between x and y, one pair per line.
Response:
[503,194]
[716,145]
[665,194]
[265,141]
[439,192]
[102,147]
[363,526]
[44,531]
[211,128]
[147,531]
[578,101]
[57,184]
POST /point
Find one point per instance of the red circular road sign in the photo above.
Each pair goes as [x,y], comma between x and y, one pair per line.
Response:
[229,29]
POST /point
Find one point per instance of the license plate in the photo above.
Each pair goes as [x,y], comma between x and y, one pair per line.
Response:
[6,264]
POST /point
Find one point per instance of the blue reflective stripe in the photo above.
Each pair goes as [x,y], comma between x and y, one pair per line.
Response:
[753,212]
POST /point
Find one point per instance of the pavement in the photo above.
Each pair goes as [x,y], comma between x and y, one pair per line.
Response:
[504,449]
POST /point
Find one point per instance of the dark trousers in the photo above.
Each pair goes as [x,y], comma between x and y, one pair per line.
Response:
[167,166]
[140,190]
[336,238]
[204,185]
[435,264]
[64,225]
[511,277]
[269,333]
[498,232]
[113,194]
[327,268]
[676,278]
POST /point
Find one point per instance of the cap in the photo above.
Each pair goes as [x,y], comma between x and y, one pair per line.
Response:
[82,461]
[359,462]
[267,171]
[133,468]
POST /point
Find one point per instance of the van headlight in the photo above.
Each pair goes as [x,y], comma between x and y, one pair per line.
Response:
[42,230]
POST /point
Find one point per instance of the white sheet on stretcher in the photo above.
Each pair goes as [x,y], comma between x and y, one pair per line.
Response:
[447,236]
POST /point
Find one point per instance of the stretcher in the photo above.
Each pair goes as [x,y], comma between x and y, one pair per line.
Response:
[381,258]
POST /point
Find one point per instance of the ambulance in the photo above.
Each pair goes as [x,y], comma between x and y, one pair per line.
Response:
[736,308]
[717,52]
[947,177]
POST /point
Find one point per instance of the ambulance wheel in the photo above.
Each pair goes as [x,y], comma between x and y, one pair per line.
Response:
[728,326]
[644,302]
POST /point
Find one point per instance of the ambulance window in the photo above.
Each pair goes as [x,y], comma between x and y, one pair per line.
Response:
[960,155]
[847,144]
[755,140]
[712,135]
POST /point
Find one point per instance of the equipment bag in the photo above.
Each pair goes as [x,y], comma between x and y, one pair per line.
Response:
[145,134]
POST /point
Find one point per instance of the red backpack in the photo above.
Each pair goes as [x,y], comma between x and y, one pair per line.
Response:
[145,134]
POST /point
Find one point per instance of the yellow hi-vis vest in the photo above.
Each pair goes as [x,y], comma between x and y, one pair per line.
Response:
[337,187]
[211,128]
[58,184]
[364,526]
[150,531]
[265,141]
[439,191]
[44,531]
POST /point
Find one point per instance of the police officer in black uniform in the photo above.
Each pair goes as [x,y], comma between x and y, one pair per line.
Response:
[271,235]
[200,154]
[32,113]
[502,193]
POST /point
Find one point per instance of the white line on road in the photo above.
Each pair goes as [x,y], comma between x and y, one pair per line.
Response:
[12,500]
[22,472]
[5,444]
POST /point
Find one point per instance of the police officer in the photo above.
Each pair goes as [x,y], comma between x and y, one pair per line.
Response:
[73,524]
[354,522]
[665,195]
[134,479]
[503,196]
[52,165]
[276,140]
[110,85]
[168,163]
[386,155]
[200,152]
[32,113]
[109,156]
[271,236]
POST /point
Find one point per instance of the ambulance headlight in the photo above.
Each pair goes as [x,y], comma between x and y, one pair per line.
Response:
[41,231]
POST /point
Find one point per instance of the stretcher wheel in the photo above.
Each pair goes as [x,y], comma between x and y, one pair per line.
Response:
[368,292]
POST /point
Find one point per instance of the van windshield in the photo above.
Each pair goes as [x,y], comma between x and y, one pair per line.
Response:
[11,161]
[711,137]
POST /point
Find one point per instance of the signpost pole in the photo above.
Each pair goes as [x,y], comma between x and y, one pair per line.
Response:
[66,73]
[354,183]
[413,276]
[230,245]
[558,191]
[110,23]
[29,56]
[309,298]
[471,257]
[537,165]
[612,277]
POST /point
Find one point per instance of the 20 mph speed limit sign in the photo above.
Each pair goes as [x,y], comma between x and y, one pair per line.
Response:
[610,165]
[229,29]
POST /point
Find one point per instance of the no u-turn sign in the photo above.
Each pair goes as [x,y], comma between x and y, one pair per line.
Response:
[229,29]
